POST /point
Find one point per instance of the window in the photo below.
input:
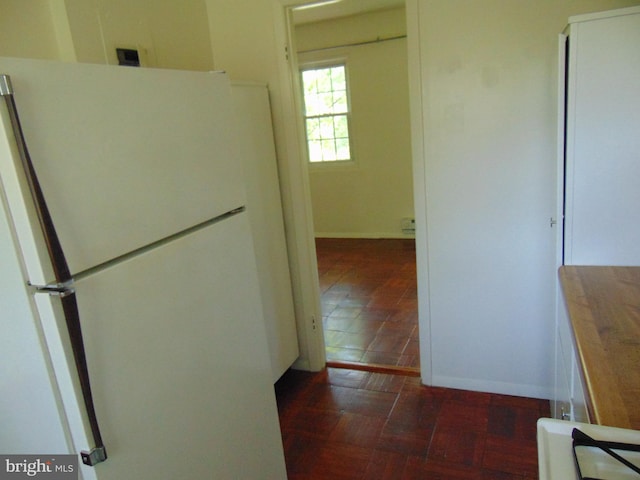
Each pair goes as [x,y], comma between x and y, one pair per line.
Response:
[326,113]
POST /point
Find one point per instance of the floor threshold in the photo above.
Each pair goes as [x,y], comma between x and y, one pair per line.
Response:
[376,368]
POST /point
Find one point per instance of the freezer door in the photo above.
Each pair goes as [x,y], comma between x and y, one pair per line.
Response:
[178,359]
[126,156]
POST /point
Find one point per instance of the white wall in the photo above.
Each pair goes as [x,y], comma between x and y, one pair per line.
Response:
[490,160]
[168,34]
[488,78]
[27,29]
[369,197]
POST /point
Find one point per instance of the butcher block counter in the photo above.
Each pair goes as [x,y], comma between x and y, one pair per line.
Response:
[603,305]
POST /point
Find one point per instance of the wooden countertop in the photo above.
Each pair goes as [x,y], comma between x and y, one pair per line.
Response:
[604,310]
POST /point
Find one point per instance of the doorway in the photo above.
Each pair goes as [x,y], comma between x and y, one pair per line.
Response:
[363,208]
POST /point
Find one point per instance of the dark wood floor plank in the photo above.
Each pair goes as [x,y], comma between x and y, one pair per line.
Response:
[367,287]
[385,466]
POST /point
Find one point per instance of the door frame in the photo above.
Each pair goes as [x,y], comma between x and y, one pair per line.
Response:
[300,237]
[310,330]
[417,107]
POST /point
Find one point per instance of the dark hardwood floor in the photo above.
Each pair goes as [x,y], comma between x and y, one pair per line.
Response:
[369,300]
[359,424]
[350,424]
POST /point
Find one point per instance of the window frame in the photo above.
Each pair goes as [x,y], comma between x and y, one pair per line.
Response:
[317,65]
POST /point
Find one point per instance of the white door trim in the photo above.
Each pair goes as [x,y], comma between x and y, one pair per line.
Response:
[418,147]
[302,251]
[310,332]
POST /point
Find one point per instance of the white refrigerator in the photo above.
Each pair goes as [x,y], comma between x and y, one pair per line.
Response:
[163,368]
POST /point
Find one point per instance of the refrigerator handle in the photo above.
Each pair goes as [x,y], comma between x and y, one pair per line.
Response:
[61,272]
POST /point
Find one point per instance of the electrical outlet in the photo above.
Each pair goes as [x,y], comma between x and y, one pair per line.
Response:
[408,225]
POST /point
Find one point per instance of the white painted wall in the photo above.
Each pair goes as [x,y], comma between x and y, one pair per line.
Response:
[27,29]
[489,137]
[168,34]
[369,196]
[487,75]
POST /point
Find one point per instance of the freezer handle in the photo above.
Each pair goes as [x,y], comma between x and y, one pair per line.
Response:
[61,272]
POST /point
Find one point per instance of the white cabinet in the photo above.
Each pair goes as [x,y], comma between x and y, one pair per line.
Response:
[561,402]
[569,400]
[598,165]
[601,141]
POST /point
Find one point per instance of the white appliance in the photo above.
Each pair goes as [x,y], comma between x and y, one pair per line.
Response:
[556,458]
[599,141]
[145,193]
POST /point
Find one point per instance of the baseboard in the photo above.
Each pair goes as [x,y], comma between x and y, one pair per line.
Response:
[302,364]
[503,388]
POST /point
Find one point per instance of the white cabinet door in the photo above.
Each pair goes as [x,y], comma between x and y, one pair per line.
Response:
[579,412]
[603,145]
[569,401]
[561,401]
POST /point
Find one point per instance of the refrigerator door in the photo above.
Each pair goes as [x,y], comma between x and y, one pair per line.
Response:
[178,360]
[30,413]
[126,156]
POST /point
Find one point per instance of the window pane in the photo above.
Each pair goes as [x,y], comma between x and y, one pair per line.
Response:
[309,104]
[328,150]
[315,151]
[338,78]
[340,102]
[313,129]
[324,80]
[342,149]
[315,104]
[309,81]
[326,128]
[327,103]
[341,128]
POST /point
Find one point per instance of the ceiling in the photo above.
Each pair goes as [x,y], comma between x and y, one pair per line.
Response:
[315,12]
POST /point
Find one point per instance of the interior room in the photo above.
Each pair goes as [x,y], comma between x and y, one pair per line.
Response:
[432,298]
[363,205]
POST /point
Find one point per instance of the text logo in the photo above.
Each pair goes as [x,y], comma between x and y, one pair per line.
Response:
[50,467]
